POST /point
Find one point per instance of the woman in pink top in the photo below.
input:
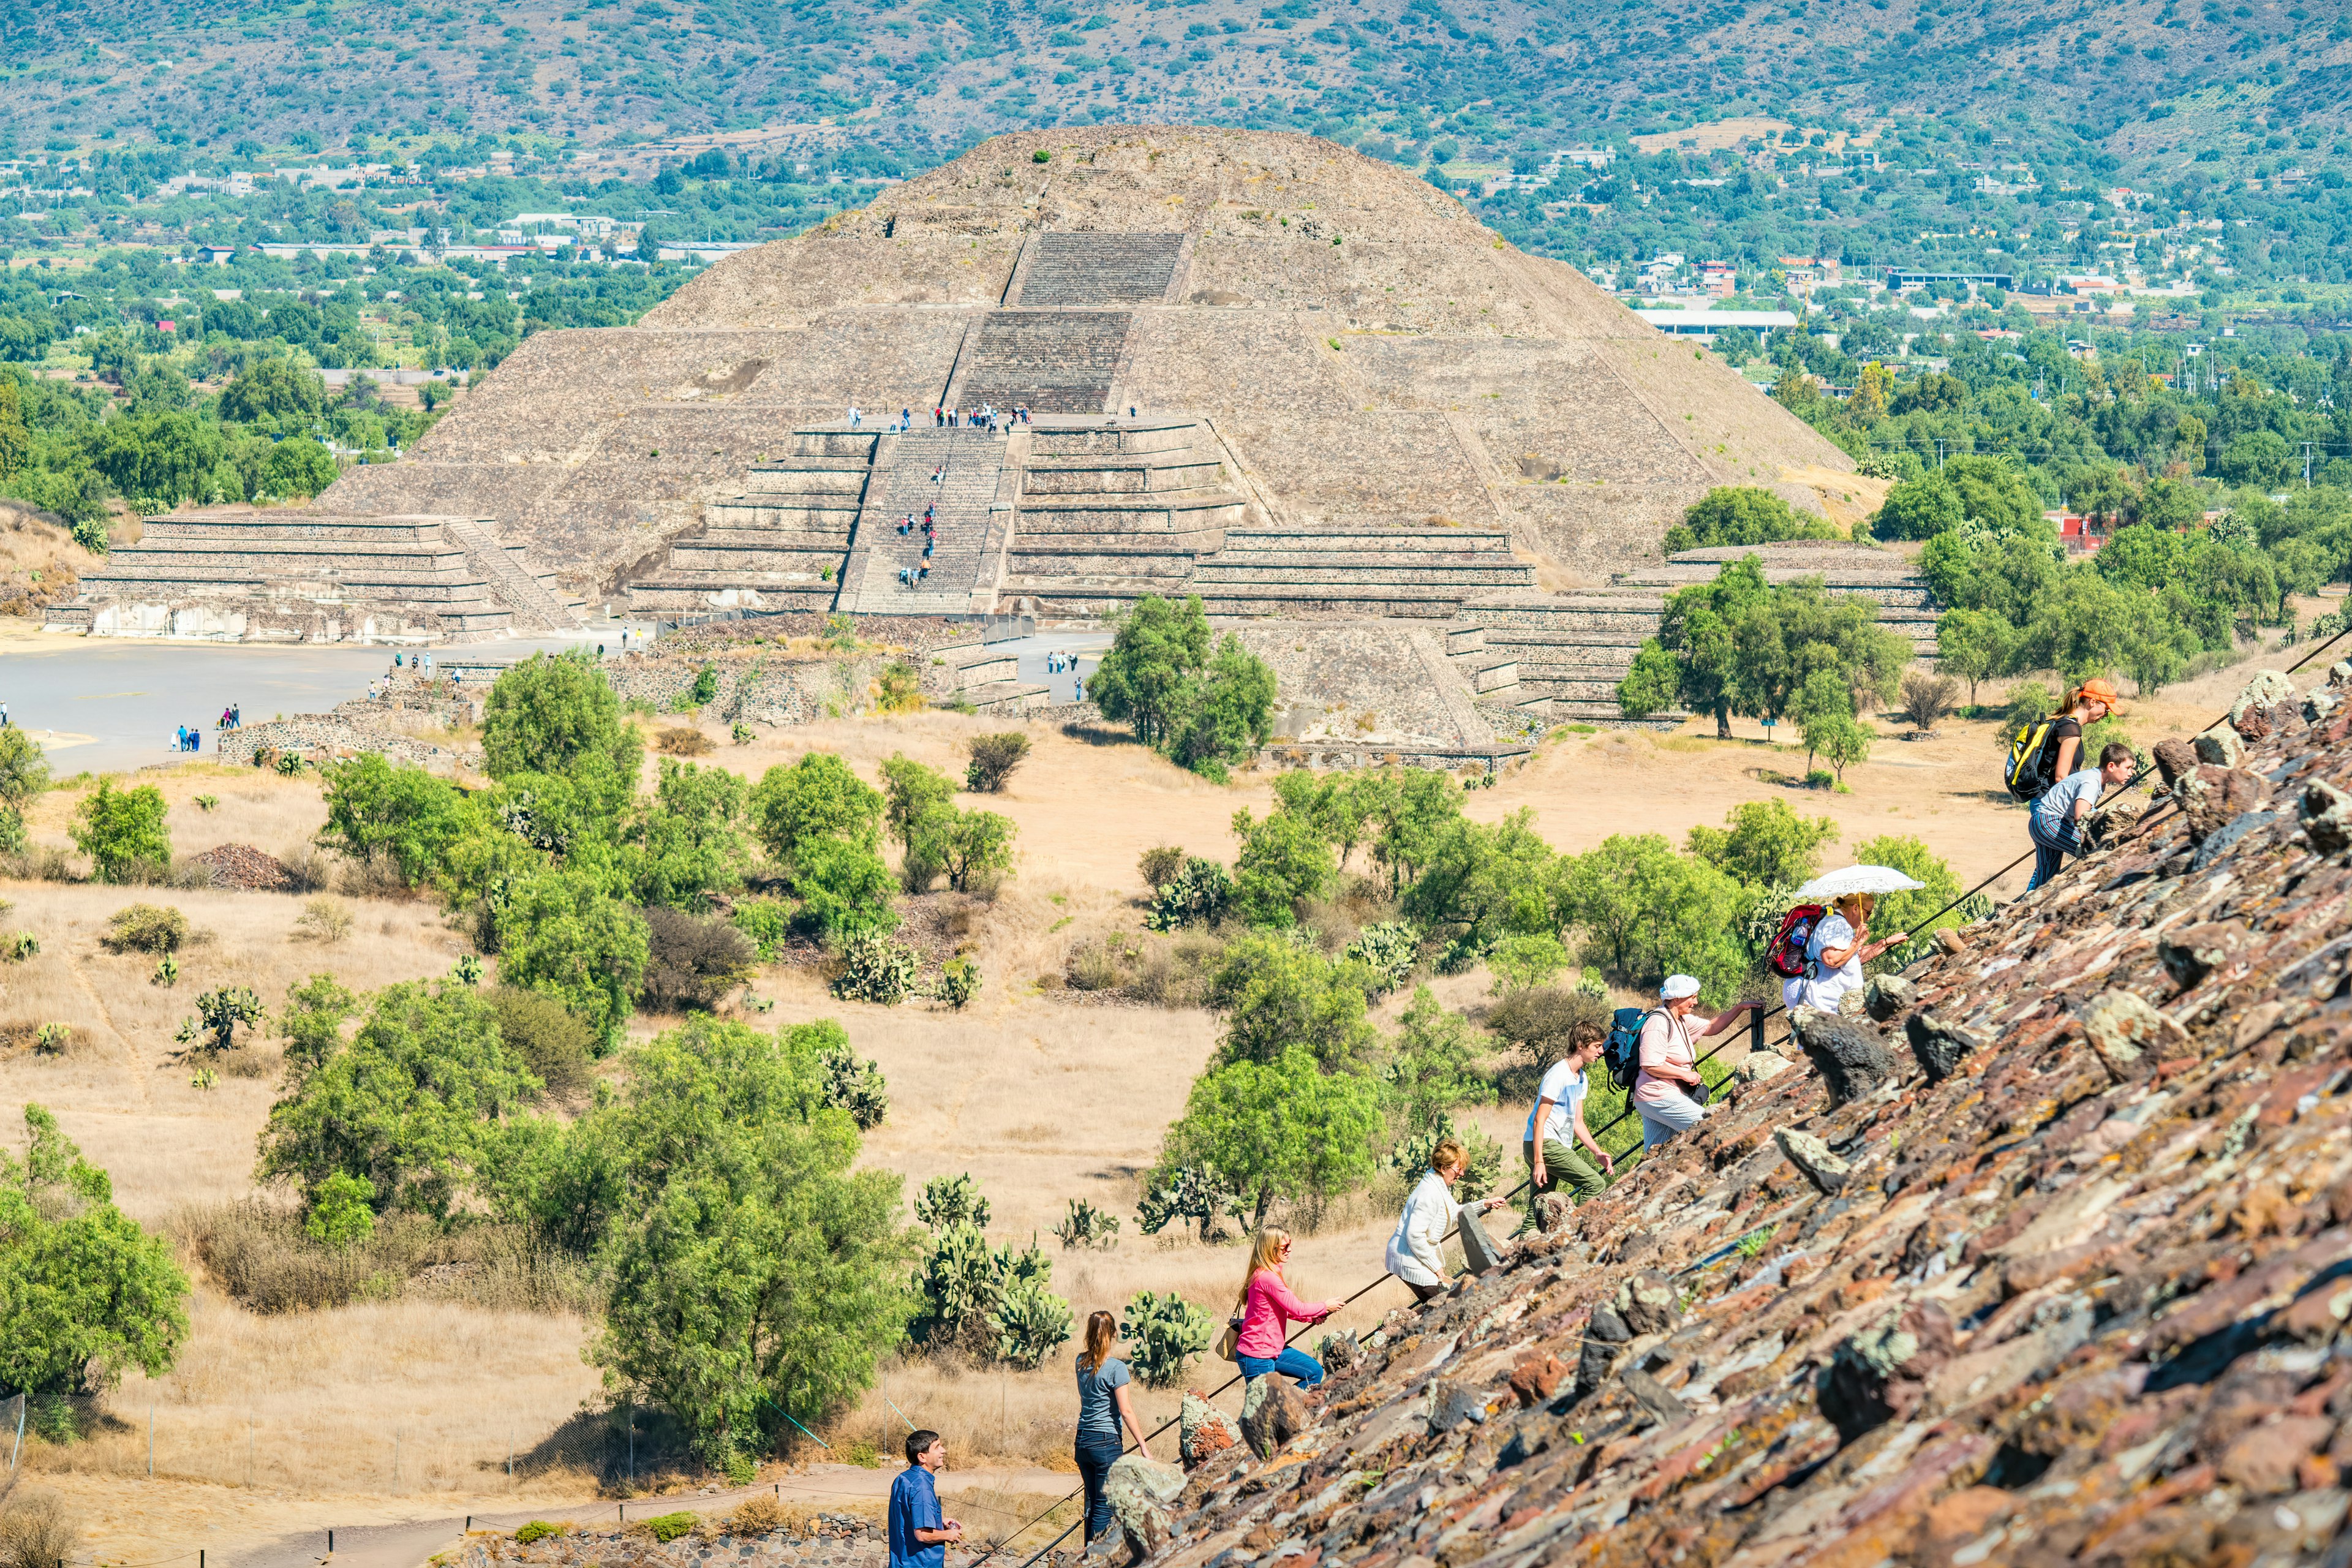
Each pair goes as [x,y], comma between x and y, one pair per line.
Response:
[1668,1092]
[1265,1308]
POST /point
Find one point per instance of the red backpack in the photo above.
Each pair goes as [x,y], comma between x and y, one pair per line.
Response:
[1785,956]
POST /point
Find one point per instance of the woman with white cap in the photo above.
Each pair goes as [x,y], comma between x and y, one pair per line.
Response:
[1840,945]
[1668,1092]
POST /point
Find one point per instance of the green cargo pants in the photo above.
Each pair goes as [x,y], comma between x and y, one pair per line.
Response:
[1563,1166]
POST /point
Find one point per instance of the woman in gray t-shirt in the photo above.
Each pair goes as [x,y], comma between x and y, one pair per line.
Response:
[1104,1406]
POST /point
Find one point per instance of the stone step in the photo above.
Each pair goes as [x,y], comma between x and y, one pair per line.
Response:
[1370,599]
[1053,441]
[954,475]
[812,565]
[292,555]
[1062,269]
[1452,576]
[835,441]
[1433,542]
[1005,697]
[392,532]
[1097,478]
[771,538]
[1163,511]
[780,516]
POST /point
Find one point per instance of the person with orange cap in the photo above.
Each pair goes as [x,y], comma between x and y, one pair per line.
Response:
[2084,706]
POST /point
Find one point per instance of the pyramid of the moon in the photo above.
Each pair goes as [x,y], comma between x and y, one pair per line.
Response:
[1258,366]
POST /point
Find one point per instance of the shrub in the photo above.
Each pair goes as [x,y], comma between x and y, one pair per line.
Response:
[899,688]
[1389,949]
[1164,1332]
[692,960]
[36,1529]
[1926,699]
[1537,1020]
[1160,865]
[1197,895]
[1189,1192]
[742,734]
[1480,1176]
[1525,959]
[950,1200]
[989,1302]
[1088,1227]
[213,1030]
[207,802]
[767,922]
[706,685]
[323,920]
[958,982]
[122,829]
[400,818]
[678,740]
[167,973]
[21,946]
[1095,965]
[546,1037]
[853,1086]
[993,758]
[877,968]
[756,1515]
[541,1530]
[339,1216]
[668,1527]
[145,928]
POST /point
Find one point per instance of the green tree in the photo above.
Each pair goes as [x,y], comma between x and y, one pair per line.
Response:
[562,931]
[276,391]
[408,1106]
[1146,679]
[1283,860]
[1918,508]
[1743,514]
[1275,994]
[313,1022]
[84,1293]
[1824,702]
[1645,912]
[754,1270]
[23,776]
[1483,882]
[1844,743]
[1696,657]
[556,715]
[1280,1128]
[15,439]
[1973,645]
[687,842]
[1995,494]
[1763,844]
[121,831]
[815,801]
[400,813]
[1231,712]
[845,890]
[1435,1064]
[296,469]
[910,789]
[974,849]
[156,459]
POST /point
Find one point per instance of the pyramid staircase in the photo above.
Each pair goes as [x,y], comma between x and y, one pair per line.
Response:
[779,544]
[955,473]
[1051,362]
[1076,269]
[1356,570]
[299,575]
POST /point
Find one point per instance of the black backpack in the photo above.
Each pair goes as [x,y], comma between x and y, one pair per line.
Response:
[1622,1054]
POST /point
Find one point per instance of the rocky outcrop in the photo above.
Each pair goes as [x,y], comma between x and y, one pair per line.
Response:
[1138,1491]
[1272,1413]
[1202,1431]
[2081,1296]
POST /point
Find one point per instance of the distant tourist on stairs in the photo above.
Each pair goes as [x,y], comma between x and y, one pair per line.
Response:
[854,416]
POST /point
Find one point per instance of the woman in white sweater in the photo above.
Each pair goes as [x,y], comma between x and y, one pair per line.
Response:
[1415,1251]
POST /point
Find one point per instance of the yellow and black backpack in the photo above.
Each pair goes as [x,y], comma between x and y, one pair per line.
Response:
[2027,771]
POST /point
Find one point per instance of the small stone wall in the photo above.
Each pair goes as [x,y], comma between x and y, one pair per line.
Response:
[839,1541]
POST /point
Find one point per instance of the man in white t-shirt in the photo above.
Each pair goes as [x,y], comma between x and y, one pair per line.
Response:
[1556,1126]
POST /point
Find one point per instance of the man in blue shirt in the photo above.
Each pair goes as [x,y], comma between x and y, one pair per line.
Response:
[918,1536]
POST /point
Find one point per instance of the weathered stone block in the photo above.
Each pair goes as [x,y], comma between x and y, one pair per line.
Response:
[1272,1414]
[1823,1167]
[1453,1404]
[1536,1376]
[1138,1491]
[1203,1430]
[1939,1046]
[2211,796]
[1758,1065]
[2190,953]
[1648,1304]
[1655,1397]
[2123,1029]
[1881,1374]
[2326,814]
[1481,1253]
[2174,758]
[1848,1052]
[1889,997]
[2220,748]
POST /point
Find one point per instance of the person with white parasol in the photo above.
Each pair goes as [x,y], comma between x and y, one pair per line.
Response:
[1840,944]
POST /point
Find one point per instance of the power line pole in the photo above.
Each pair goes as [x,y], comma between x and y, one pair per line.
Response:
[2306,465]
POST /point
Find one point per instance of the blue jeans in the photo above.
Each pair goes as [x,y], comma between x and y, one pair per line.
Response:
[1096,1456]
[1293,1364]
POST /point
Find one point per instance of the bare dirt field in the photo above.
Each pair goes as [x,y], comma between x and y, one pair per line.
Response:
[270,1426]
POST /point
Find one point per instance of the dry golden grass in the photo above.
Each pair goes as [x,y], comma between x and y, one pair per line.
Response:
[117,1092]
[270,812]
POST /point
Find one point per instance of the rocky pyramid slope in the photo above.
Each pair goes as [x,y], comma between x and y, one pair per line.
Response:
[2049,1261]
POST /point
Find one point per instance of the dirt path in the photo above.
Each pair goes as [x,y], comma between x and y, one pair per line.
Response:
[838,1488]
